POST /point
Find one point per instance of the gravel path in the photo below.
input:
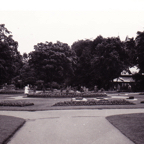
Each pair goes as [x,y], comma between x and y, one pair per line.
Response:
[69,127]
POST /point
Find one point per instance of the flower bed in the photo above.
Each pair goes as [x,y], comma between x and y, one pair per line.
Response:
[94,102]
[15,103]
[64,95]
[11,92]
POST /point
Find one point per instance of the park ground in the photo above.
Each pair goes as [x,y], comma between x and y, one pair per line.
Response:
[45,104]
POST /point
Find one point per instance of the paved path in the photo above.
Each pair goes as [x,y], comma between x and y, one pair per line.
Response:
[69,127]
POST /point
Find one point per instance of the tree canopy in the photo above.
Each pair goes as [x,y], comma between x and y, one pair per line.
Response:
[86,62]
[140,50]
[100,60]
[52,61]
[10,58]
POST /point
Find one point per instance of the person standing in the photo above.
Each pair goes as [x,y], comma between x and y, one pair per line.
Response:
[26,90]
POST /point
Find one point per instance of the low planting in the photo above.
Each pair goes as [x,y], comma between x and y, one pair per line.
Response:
[11,92]
[94,102]
[65,95]
[16,103]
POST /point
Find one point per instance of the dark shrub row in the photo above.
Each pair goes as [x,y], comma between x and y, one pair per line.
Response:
[11,92]
[58,95]
[94,102]
[15,103]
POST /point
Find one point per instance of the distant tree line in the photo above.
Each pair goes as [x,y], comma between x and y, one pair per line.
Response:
[85,63]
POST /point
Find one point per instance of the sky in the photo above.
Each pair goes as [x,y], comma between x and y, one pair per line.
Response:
[67,21]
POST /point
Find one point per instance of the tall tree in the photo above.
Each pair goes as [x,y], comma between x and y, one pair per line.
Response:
[52,62]
[10,58]
[130,47]
[108,61]
[82,49]
[140,50]
[139,41]
[99,61]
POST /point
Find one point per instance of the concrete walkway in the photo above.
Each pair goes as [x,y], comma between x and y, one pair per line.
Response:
[69,127]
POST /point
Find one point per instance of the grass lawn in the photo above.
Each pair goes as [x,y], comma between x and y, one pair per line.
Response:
[47,103]
[131,125]
[8,126]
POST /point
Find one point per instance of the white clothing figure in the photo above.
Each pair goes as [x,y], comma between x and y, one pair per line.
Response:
[26,90]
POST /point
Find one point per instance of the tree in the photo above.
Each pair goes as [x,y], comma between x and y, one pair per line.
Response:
[130,47]
[52,62]
[99,61]
[10,58]
[140,50]
[82,49]
[108,61]
[139,54]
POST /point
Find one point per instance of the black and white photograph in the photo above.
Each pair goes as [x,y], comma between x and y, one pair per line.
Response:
[72,72]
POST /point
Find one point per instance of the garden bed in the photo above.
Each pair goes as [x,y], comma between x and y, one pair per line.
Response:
[94,102]
[64,95]
[16,103]
[11,92]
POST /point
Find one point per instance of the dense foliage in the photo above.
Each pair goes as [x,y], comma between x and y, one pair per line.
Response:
[52,62]
[99,61]
[10,58]
[86,63]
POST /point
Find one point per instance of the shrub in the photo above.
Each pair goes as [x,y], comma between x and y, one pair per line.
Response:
[131,97]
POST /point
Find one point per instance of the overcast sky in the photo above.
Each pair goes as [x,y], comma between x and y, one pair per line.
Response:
[34,21]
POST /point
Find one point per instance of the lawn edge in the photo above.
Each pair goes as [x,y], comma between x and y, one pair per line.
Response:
[12,134]
[118,127]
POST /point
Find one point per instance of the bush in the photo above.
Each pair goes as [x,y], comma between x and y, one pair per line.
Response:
[131,97]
